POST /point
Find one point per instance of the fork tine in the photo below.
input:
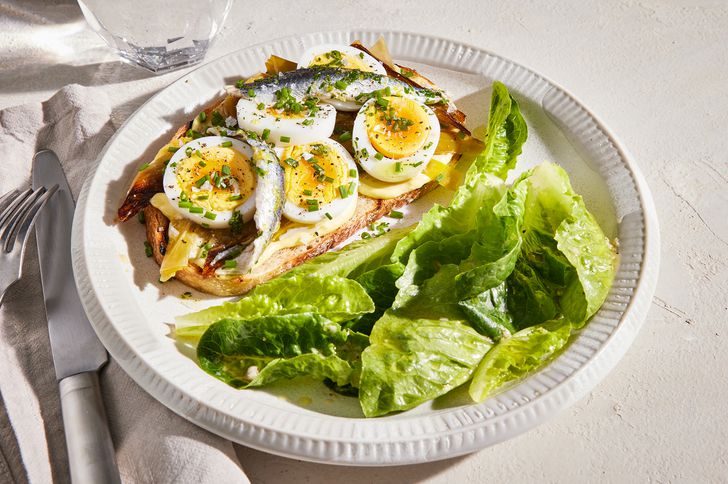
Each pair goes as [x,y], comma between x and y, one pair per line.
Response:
[9,210]
[7,199]
[7,238]
[27,222]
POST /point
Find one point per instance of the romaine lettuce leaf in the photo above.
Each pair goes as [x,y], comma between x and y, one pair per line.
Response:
[568,255]
[333,297]
[239,351]
[412,361]
[506,134]
[315,365]
[517,356]
[488,312]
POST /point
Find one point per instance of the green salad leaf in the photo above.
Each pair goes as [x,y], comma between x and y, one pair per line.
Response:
[517,356]
[412,361]
[240,352]
[506,134]
[333,297]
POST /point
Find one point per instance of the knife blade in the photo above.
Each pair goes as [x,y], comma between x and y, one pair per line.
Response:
[74,344]
[77,352]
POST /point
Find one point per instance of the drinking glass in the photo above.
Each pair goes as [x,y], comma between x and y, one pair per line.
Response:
[158,35]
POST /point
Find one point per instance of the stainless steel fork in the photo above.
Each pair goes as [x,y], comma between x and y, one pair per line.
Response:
[17,214]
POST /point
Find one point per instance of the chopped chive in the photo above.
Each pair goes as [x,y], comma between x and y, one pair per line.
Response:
[340,84]
[396,214]
[345,136]
[378,155]
[328,216]
[202,181]
[308,193]
[366,235]
[311,201]
[147,248]
[188,152]
[226,144]
[207,226]
[266,133]
[183,196]
[225,170]
[291,162]
[261,106]
[202,164]
[230,264]
[141,218]
[202,117]
[328,179]
[398,167]
[196,209]
[217,119]
[382,102]
[234,198]
[260,171]
[285,139]
[313,208]
[343,191]
[185,204]
[353,173]
[191,133]
[144,167]
[317,168]
[210,215]
[251,93]
[307,122]
[351,188]
[240,83]
[172,149]
[198,153]
[202,197]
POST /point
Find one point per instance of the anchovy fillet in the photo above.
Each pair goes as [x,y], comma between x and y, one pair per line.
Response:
[333,84]
[269,198]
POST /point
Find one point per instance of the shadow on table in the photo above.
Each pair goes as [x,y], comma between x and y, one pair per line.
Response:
[261,467]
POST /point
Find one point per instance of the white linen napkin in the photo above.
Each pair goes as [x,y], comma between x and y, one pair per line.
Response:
[152,443]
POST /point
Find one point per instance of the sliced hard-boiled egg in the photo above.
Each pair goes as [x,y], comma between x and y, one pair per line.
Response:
[394,137]
[287,121]
[344,57]
[210,179]
[321,181]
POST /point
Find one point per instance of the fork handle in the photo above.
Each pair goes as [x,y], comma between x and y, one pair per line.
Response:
[90,449]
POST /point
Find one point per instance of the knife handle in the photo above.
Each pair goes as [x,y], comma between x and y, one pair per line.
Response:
[91,457]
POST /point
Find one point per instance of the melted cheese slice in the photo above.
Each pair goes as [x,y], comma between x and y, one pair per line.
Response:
[373,188]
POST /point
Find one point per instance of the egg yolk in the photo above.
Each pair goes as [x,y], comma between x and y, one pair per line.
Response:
[397,127]
[216,178]
[313,172]
[337,58]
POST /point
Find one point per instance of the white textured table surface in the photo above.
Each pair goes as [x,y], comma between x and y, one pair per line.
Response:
[656,73]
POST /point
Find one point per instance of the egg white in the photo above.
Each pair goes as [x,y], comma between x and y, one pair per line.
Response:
[335,207]
[173,191]
[280,127]
[385,169]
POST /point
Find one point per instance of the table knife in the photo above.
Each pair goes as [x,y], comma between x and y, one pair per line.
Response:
[78,354]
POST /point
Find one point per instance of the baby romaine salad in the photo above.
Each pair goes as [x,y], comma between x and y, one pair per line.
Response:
[481,292]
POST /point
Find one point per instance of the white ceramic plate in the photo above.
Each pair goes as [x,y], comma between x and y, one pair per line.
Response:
[130,311]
